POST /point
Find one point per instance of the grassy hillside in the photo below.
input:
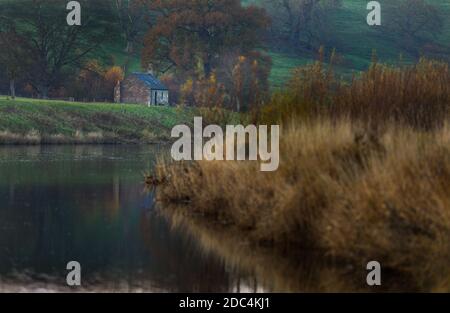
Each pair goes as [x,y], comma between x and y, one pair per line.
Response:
[43,121]
[356,40]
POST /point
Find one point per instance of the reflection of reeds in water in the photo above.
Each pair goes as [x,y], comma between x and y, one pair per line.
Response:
[269,270]
[352,196]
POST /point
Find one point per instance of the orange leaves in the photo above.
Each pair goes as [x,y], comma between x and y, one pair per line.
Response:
[96,81]
[114,75]
[94,66]
[205,92]
[250,75]
[207,28]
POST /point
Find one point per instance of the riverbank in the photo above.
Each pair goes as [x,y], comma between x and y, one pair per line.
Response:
[31,122]
[354,196]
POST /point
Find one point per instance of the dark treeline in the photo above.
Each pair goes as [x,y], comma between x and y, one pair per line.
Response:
[45,57]
[209,53]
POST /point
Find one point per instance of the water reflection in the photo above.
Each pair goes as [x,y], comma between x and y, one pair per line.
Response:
[88,204]
[257,268]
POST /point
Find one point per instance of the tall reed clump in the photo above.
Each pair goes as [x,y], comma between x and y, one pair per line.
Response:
[364,171]
[417,95]
[355,195]
[309,93]
[398,210]
[413,95]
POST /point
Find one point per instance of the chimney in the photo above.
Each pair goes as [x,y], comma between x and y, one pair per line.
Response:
[117,93]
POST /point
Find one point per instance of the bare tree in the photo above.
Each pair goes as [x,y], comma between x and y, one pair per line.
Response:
[52,45]
[304,23]
[415,21]
[131,15]
[13,56]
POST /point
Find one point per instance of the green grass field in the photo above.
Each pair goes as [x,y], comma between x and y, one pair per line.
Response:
[356,40]
[44,121]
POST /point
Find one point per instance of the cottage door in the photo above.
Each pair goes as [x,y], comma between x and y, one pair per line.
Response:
[155,98]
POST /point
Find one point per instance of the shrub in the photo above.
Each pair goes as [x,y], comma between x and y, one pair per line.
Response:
[416,95]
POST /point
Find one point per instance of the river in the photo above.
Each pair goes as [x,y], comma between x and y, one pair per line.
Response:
[89,204]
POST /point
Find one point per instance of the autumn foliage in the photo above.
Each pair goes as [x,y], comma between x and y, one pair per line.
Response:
[415,95]
[96,82]
[191,35]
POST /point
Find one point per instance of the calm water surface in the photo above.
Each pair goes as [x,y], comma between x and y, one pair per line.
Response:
[88,204]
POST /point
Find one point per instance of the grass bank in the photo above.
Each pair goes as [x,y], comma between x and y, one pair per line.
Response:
[354,195]
[29,121]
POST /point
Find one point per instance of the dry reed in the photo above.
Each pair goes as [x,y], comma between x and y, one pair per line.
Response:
[354,195]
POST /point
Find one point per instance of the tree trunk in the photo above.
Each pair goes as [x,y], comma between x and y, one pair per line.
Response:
[12,88]
[130,47]
[129,50]
[126,65]
[207,68]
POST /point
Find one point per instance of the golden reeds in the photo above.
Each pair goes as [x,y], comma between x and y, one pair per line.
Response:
[354,195]
[416,95]
[364,172]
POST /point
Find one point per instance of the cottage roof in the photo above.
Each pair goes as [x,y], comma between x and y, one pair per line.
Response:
[151,81]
